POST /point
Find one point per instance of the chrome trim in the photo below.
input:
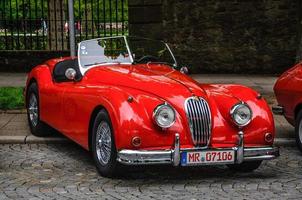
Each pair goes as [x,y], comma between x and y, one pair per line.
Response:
[278,110]
[172,156]
[176,151]
[240,148]
[175,62]
[261,151]
[200,120]
[234,108]
[157,109]
[70,74]
[128,48]
[137,157]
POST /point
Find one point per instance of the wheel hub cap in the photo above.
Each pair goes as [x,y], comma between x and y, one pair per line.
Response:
[103,143]
[33,110]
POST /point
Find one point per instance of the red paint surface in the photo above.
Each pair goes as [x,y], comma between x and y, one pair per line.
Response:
[68,106]
[288,92]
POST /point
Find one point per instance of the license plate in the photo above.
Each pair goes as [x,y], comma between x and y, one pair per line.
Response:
[207,157]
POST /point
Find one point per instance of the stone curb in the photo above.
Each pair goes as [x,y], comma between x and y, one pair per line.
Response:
[30,139]
[20,111]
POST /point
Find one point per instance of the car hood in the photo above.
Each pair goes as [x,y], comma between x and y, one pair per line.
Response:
[157,79]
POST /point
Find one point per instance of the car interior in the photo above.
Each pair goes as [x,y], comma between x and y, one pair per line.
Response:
[61,67]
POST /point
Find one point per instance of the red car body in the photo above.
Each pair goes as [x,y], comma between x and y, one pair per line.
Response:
[289,97]
[130,94]
[288,92]
[69,106]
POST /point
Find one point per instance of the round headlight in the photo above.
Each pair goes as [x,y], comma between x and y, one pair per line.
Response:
[164,116]
[241,114]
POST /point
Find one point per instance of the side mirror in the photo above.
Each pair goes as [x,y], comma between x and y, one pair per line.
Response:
[184,70]
[70,74]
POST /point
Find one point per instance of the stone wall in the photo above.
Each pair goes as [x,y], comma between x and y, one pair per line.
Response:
[223,36]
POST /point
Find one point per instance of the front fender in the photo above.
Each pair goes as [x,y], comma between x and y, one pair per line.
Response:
[131,114]
[226,96]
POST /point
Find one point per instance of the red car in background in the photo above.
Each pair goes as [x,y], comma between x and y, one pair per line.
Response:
[288,91]
[123,99]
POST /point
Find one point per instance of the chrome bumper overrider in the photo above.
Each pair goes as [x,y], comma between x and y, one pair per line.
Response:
[172,156]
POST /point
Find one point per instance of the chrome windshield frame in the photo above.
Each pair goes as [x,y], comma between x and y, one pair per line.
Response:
[83,70]
[169,49]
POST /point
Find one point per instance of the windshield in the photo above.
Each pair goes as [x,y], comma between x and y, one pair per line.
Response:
[121,49]
[146,50]
[100,51]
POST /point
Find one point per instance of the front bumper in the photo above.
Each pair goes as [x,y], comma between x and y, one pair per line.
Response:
[172,156]
[278,110]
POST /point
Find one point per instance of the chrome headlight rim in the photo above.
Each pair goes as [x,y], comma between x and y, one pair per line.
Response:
[156,114]
[234,110]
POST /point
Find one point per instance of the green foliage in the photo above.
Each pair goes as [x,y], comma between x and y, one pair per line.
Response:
[27,9]
[11,98]
[96,8]
[32,9]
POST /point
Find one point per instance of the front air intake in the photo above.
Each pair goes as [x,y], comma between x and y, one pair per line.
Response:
[199,118]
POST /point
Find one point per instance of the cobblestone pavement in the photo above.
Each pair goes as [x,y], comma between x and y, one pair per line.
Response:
[67,172]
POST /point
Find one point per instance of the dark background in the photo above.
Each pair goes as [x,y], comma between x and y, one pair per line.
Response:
[209,36]
[223,36]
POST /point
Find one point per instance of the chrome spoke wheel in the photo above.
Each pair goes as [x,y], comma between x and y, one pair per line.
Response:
[103,143]
[33,110]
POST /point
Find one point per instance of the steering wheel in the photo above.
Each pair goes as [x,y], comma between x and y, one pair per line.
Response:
[146,59]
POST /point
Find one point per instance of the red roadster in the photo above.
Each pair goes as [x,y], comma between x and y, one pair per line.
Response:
[123,99]
[288,92]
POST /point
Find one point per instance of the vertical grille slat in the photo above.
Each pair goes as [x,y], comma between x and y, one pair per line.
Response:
[199,118]
[205,118]
[196,122]
[201,136]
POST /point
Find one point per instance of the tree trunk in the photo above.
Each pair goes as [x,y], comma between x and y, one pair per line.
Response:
[56,19]
[299,49]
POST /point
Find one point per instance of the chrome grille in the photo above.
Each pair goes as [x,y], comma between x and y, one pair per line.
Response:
[199,117]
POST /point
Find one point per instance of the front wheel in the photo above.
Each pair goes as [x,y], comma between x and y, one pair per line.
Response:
[103,145]
[247,166]
[298,130]
[37,127]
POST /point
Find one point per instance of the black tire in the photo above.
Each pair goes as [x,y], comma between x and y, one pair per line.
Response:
[39,129]
[298,130]
[247,166]
[112,167]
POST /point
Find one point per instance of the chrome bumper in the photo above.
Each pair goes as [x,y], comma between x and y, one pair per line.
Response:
[172,156]
[278,110]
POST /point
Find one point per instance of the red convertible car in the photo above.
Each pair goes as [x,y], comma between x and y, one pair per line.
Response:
[123,99]
[288,92]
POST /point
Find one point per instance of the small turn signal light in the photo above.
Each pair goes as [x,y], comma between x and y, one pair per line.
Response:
[136,141]
[268,137]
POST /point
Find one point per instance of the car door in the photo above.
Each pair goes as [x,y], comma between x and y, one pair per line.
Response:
[76,111]
[51,104]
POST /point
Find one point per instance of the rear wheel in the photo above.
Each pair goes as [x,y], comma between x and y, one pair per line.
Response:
[298,130]
[103,145]
[37,127]
[247,166]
